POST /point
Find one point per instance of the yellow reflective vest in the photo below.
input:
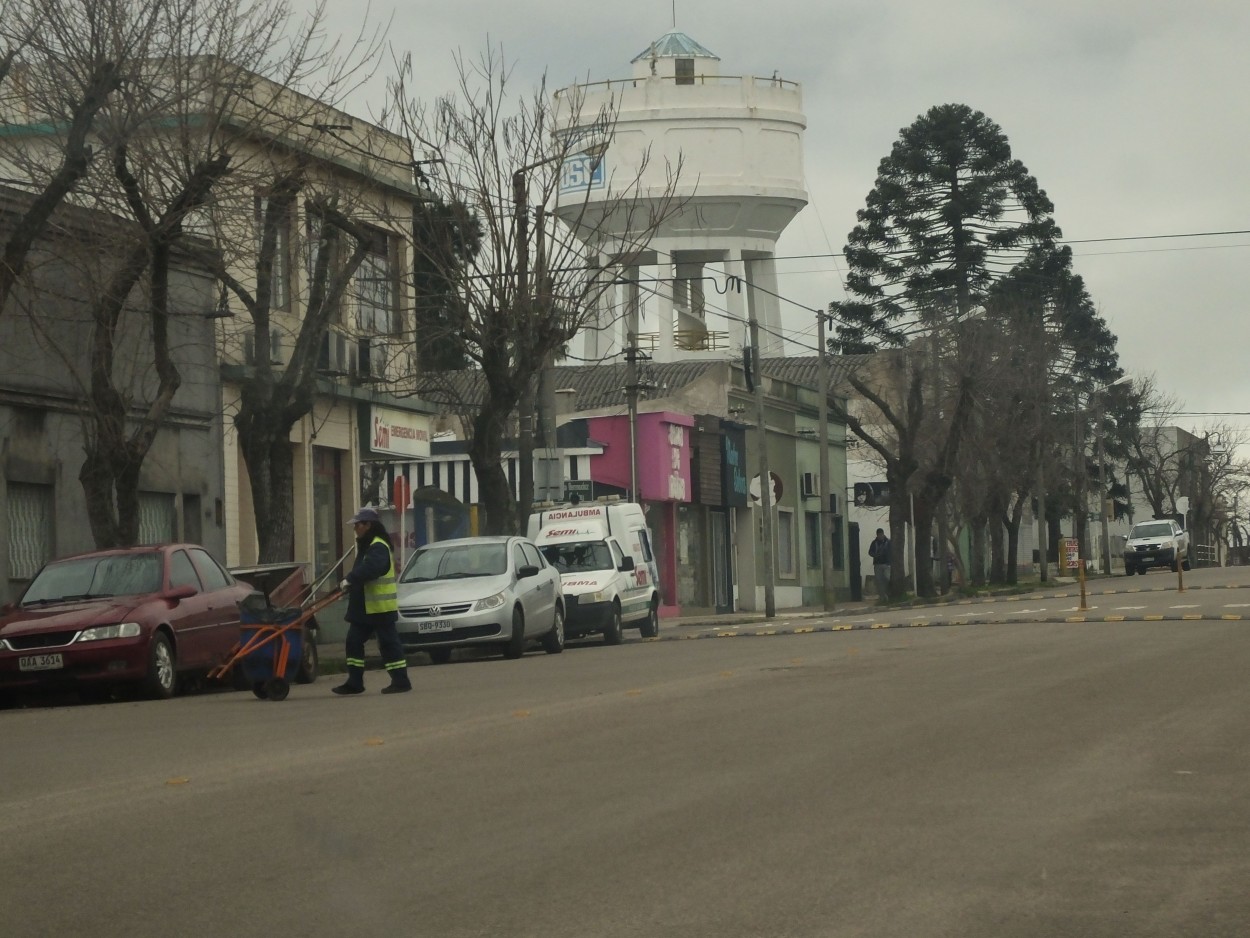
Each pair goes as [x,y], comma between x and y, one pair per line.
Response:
[381,594]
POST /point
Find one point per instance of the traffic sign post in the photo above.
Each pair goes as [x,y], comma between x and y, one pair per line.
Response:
[401,495]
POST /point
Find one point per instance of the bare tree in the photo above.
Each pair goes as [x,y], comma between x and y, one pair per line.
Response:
[194,88]
[535,279]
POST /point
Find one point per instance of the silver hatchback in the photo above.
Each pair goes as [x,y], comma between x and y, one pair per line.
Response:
[480,591]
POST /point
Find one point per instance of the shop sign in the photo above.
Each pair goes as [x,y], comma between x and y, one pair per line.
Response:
[399,433]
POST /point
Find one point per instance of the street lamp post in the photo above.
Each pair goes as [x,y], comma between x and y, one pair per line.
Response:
[1104,544]
[542,416]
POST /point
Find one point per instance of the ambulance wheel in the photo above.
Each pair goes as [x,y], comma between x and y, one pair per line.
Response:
[276,688]
[612,633]
[651,628]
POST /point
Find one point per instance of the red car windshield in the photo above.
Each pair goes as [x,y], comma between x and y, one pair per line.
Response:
[90,577]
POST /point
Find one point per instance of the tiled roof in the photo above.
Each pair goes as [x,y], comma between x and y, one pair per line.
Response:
[599,386]
[805,370]
[675,45]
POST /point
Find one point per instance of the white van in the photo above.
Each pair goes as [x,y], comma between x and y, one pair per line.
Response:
[604,553]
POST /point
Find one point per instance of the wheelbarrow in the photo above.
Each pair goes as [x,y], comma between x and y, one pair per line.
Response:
[271,644]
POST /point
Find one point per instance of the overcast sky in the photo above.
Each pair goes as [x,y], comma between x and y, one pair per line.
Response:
[1134,116]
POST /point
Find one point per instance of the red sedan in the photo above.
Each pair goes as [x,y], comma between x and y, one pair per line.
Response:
[137,616]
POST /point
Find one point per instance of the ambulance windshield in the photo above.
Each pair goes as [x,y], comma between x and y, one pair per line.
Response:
[578,557]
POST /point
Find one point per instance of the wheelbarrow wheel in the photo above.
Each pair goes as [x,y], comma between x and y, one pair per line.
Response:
[277,688]
[260,690]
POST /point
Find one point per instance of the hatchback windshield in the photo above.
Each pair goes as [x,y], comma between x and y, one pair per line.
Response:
[579,557]
[90,577]
[1153,529]
[456,561]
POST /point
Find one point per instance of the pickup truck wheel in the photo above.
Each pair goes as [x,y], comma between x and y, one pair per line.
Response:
[651,627]
[516,644]
[612,632]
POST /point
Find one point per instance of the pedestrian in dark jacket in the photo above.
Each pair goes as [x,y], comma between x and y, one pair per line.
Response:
[372,607]
[879,550]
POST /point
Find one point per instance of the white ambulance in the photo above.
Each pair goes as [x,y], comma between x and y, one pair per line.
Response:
[607,566]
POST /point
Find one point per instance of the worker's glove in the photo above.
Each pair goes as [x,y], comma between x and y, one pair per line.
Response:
[344,584]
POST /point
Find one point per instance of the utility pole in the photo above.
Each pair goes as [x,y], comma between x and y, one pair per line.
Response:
[826,508]
[1104,543]
[766,478]
[632,386]
[526,410]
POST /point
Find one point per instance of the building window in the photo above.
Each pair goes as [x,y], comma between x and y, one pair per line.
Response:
[280,278]
[811,530]
[684,70]
[30,529]
[376,288]
[785,542]
[158,518]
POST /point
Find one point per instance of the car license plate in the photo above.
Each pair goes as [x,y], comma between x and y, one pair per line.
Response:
[434,625]
[40,663]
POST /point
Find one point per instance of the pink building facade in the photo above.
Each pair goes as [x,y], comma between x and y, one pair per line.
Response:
[664,457]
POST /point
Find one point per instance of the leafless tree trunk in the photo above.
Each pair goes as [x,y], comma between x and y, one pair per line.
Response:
[531,284]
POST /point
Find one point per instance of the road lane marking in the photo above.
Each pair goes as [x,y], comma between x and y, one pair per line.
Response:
[1130,608]
[1186,606]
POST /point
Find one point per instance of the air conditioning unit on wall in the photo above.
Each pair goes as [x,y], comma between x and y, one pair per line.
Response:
[809,485]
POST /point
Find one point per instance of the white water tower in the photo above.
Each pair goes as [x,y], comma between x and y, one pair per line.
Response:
[740,142]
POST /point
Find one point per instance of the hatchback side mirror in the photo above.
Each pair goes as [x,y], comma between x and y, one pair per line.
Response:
[527,570]
[627,564]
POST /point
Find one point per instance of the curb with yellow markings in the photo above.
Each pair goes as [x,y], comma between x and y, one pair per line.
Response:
[939,622]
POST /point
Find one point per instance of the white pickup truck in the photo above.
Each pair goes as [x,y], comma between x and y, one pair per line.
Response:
[1158,543]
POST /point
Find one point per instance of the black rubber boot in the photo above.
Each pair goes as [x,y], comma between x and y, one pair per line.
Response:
[400,684]
[355,683]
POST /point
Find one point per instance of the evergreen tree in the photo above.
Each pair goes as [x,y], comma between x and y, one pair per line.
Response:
[951,212]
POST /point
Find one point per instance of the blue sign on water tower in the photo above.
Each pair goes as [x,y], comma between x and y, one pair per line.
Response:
[580,172]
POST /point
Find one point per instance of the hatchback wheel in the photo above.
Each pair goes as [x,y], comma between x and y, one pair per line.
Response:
[162,678]
[553,641]
[439,655]
[516,644]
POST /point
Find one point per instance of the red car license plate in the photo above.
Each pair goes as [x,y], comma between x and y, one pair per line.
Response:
[40,663]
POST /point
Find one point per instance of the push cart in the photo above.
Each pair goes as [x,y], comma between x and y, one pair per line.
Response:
[271,648]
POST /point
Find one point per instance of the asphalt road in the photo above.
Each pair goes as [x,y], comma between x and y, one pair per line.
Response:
[1055,778]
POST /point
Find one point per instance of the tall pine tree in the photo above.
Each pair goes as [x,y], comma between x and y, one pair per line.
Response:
[951,212]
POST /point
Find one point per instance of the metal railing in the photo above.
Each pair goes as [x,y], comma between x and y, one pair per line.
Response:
[689,340]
